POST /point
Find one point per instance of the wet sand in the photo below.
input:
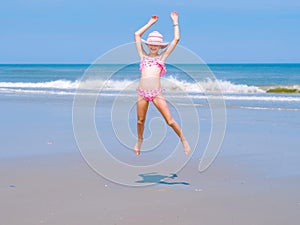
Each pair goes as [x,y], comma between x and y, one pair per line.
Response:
[44,179]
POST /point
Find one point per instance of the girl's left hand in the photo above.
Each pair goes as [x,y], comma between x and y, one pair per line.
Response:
[174,16]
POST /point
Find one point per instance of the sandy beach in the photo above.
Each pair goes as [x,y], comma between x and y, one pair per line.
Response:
[71,73]
[45,180]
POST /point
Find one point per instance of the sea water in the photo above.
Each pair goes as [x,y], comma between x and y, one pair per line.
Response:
[239,85]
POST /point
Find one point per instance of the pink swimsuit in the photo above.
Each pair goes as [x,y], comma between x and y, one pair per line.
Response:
[147,61]
[149,95]
[153,61]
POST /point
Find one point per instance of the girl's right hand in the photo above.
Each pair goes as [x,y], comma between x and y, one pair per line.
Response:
[153,19]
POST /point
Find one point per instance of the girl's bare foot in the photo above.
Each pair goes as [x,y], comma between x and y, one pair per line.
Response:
[186,146]
[137,147]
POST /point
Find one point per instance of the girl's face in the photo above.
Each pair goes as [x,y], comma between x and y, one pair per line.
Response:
[154,48]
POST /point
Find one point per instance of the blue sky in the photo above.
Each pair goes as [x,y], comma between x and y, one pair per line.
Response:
[219,31]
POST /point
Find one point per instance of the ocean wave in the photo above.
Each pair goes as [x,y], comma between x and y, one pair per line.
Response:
[57,84]
[169,83]
[209,85]
[169,95]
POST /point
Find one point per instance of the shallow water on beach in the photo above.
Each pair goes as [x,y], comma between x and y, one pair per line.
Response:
[42,125]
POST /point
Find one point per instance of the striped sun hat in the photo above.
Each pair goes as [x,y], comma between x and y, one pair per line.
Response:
[155,38]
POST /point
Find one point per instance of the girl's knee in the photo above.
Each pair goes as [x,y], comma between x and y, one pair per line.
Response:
[171,122]
[141,121]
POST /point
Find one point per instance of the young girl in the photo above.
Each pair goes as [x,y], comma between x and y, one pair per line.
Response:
[152,67]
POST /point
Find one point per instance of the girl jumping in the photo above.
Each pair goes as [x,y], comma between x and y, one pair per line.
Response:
[152,67]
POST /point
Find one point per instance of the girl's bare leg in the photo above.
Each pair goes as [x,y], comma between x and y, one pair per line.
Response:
[162,106]
[142,107]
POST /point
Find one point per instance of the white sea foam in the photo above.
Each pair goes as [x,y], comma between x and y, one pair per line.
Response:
[210,85]
[57,84]
[232,97]
[169,83]
[197,90]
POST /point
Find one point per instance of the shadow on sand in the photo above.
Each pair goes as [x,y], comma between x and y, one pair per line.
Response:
[159,179]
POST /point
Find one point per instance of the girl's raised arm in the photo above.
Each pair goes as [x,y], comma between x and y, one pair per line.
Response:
[138,35]
[174,42]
